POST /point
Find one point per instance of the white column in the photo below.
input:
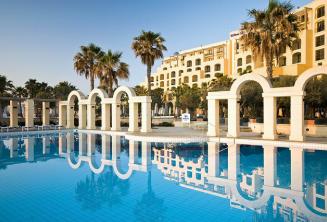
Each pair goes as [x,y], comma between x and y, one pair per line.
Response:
[105,116]
[70,142]
[213,117]
[62,144]
[46,145]
[213,159]
[70,116]
[146,117]
[297,118]
[82,116]
[133,117]
[270,164]
[62,115]
[29,149]
[233,118]
[115,116]
[105,146]
[133,151]
[146,153]
[45,113]
[29,112]
[269,118]
[82,144]
[90,144]
[13,113]
[297,169]
[233,161]
[13,145]
[90,116]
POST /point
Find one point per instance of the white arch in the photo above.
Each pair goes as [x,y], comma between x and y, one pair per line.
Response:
[118,92]
[263,81]
[303,79]
[97,92]
[123,176]
[96,169]
[71,164]
[80,96]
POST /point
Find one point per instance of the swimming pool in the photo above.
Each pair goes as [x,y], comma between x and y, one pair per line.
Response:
[83,176]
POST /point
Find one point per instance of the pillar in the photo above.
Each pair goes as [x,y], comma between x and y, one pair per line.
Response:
[269,118]
[81,116]
[29,149]
[133,117]
[105,146]
[70,142]
[297,169]
[213,159]
[45,113]
[46,145]
[233,161]
[297,118]
[105,116]
[13,145]
[146,117]
[82,144]
[70,116]
[29,113]
[62,144]
[213,117]
[90,116]
[270,164]
[90,144]
[13,109]
[115,116]
[62,115]
[146,153]
[133,151]
[233,118]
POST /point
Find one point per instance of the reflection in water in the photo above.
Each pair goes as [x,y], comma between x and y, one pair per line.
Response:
[286,184]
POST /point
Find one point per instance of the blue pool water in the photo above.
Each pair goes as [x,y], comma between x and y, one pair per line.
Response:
[83,177]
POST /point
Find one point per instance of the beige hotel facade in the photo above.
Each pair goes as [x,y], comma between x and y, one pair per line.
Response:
[198,66]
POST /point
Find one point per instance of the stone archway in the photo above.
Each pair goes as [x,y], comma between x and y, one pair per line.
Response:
[70,109]
[105,109]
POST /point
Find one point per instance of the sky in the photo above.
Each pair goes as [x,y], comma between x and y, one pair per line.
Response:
[39,38]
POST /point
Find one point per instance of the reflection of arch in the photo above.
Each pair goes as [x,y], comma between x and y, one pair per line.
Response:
[95,167]
[307,75]
[237,85]
[76,93]
[123,176]
[73,163]
[97,92]
[120,90]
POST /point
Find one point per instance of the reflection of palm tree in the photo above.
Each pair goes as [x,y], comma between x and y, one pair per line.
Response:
[107,188]
[150,208]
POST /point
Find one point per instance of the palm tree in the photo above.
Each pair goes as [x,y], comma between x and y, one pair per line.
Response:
[110,69]
[149,46]
[20,92]
[86,60]
[270,32]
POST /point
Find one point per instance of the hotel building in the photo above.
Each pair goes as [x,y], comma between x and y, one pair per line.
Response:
[200,65]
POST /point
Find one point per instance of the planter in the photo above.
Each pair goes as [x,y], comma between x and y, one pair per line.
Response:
[310,122]
[252,120]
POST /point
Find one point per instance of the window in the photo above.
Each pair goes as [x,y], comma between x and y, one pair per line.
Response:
[296,58]
[248,69]
[162,77]
[321,12]
[161,84]
[189,70]
[173,74]
[167,82]
[237,45]
[207,76]
[239,71]
[151,79]
[302,18]
[165,68]
[248,59]
[217,67]
[186,79]
[180,72]
[282,61]
[194,78]
[239,62]
[198,68]
[167,75]
[207,68]
[297,44]
[320,203]
[320,26]
[320,54]
[320,40]
[189,63]
[198,62]
[156,78]
[320,189]
[173,82]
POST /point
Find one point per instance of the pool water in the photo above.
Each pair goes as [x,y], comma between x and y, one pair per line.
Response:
[82,177]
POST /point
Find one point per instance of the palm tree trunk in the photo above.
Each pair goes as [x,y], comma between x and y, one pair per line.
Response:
[269,65]
[92,82]
[110,90]
[148,73]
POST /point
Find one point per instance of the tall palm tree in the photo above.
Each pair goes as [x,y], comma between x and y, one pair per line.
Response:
[110,69]
[270,32]
[20,92]
[86,60]
[149,46]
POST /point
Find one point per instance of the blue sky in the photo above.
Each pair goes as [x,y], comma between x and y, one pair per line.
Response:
[38,39]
